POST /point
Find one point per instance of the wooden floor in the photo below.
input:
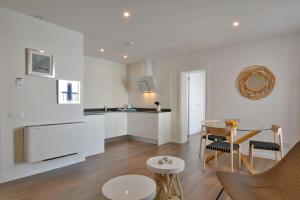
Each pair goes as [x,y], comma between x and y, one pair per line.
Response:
[83,181]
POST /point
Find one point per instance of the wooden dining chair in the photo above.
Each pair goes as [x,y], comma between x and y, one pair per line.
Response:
[211,137]
[275,146]
[226,147]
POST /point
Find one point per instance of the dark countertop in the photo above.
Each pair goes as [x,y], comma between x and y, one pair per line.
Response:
[101,111]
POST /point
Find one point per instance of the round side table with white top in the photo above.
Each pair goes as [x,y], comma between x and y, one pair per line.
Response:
[130,187]
[166,169]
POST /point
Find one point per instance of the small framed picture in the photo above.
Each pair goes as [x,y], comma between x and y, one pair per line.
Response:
[68,92]
[40,63]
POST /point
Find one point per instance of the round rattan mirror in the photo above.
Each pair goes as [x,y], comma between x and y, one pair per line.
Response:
[256,82]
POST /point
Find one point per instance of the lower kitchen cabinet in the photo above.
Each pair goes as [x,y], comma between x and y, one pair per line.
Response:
[95,134]
[152,126]
[115,124]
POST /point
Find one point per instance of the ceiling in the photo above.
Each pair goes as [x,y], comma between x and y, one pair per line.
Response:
[164,27]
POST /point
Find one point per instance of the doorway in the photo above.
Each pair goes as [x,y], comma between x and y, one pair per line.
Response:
[196,101]
[192,102]
[1,112]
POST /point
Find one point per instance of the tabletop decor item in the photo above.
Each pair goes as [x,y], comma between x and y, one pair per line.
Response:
[231,123]
[40,63]
[165,160]
[158,109]
[256,82]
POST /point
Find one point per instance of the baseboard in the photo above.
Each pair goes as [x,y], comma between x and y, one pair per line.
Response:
[140,139]
[195,133]
[52,166]
[178,141]
[114,139]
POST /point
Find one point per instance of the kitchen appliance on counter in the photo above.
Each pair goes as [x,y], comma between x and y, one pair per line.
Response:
[128,106]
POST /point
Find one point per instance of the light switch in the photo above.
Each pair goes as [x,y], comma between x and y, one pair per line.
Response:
[16,115]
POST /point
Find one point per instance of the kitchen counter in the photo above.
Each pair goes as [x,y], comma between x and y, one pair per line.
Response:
[143,124]
[93,112]
[101,111]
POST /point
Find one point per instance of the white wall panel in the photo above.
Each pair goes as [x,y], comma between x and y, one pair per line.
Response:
[37,97]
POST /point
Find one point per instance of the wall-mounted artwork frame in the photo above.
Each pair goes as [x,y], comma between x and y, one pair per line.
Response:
[256,82]
[40,63]
[68,92]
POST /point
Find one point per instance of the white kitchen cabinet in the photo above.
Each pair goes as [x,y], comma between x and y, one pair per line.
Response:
[124,120]
[95,134]
[115,124]
[143,125]
[110,125]
[151,126]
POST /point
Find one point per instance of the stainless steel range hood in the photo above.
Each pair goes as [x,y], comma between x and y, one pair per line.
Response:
[145,82]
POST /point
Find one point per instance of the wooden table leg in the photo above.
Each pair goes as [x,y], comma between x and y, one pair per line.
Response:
[160,186]
[168,187]
[180,194]
[239,141]
[247,164]
[211,157]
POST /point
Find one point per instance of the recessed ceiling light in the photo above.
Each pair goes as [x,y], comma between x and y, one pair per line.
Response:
[41,51]
[125,56]
[102,50]
[236,24]
[126,14]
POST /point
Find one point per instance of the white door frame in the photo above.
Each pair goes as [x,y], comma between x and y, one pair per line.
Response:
[1,112]
[183,112]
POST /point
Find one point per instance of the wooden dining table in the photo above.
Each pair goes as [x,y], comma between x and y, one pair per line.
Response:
[239,140]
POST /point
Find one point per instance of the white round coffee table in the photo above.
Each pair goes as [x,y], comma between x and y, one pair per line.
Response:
[166,169]
[130,187]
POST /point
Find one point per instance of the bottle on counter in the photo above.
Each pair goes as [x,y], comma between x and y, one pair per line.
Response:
[158,109]
[105,109]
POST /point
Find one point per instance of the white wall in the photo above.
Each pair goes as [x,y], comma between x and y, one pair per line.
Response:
[36,98]
[280,55]
[104,83]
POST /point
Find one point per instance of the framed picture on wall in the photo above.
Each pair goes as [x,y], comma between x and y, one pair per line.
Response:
[40,63]
[68,92]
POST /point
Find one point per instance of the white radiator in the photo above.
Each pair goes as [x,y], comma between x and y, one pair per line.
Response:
[45,142]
